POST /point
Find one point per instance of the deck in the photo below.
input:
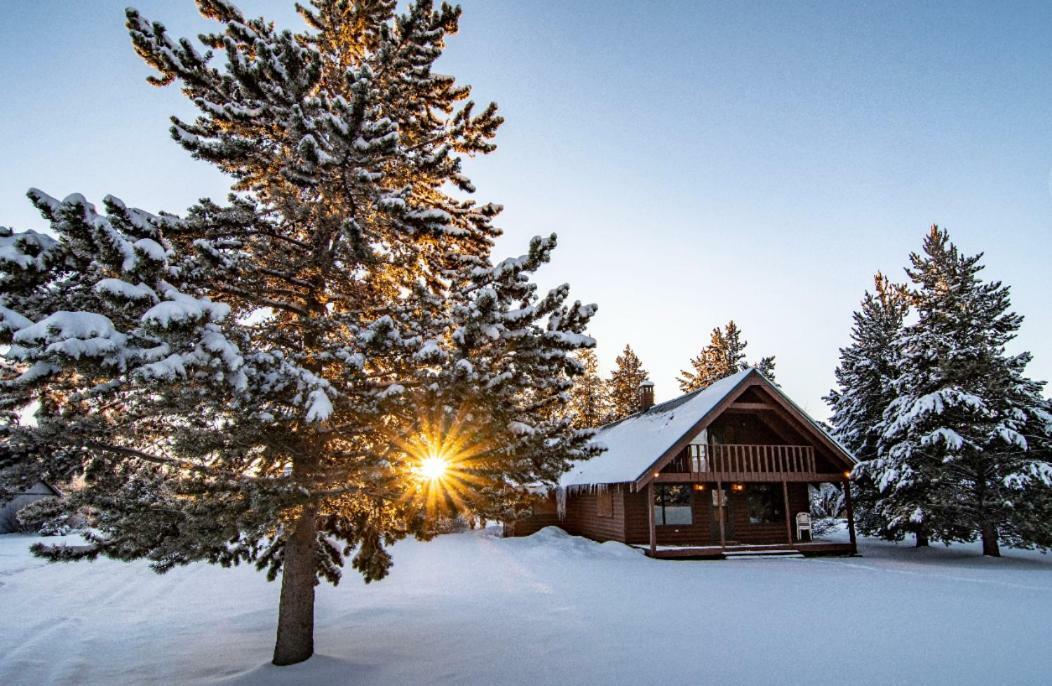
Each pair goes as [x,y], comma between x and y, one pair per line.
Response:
[746,462]
[715,552]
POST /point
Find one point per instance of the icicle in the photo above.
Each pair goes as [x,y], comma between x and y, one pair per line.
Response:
[560,502]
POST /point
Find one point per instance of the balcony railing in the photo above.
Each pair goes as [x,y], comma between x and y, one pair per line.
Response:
[732,462]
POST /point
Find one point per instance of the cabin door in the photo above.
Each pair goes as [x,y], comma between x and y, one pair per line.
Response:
[720,501]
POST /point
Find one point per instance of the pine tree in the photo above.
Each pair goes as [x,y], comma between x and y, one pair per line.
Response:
[867,369]
[722,357]
[589,398]
[964,451]
[261,381]
[624,384]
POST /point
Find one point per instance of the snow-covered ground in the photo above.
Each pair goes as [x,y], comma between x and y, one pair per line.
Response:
[549,609]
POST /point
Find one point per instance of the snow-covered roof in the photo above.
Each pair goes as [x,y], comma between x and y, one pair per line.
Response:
[634,443]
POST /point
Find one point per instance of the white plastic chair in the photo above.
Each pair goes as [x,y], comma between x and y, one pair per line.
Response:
[803,523]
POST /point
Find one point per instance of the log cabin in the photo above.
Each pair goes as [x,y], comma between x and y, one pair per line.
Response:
[720,471]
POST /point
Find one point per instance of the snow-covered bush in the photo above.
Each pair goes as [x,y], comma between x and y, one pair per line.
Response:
[827,507]
[827,501]
[51,517]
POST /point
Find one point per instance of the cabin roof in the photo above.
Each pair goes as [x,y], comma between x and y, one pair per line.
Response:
[635,443]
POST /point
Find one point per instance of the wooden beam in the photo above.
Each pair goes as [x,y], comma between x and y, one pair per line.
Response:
[749,407]
[788,520]
[650,511]
[720,505]
[850,516]
[761,477]
[774,421]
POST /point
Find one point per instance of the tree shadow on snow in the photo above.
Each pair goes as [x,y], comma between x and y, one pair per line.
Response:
[320,669]
[959,555]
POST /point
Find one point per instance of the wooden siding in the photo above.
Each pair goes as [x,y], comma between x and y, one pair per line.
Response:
[544,513]
[772,532]
[530,524]
[582,516]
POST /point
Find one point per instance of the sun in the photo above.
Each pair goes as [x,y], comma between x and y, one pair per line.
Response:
[444,462]
[433,467]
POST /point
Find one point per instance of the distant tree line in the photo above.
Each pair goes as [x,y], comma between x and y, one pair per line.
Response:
[595,401]
[953,437]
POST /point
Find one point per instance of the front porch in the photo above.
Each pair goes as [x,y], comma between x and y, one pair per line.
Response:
[718,500]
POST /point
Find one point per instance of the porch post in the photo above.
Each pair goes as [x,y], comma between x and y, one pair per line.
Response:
[788,516]
[721,506]
[850,516]
[650,517]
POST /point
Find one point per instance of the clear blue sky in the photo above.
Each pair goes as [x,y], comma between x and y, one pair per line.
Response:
[700,162]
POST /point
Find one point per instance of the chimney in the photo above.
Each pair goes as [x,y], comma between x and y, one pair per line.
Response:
[646,395]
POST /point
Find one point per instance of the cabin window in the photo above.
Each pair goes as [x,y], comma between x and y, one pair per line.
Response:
[672,505]
[604,504]
[765,504]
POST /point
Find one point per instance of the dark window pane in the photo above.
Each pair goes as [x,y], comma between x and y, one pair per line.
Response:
[677,495]
[765,504]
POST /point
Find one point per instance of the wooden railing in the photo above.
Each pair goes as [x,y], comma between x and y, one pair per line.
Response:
[732,461]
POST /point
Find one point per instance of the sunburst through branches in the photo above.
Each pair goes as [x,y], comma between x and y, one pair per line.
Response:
[445,463]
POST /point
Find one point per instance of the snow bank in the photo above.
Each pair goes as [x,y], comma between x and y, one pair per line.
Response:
[553,542]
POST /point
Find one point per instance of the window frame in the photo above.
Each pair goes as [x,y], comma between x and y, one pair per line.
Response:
[604,497]
[661,504]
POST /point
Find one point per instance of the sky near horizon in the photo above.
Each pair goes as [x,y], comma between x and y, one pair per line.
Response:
[700,162]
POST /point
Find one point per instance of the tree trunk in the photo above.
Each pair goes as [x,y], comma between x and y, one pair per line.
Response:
[295,642]
[990,545]
[922,538]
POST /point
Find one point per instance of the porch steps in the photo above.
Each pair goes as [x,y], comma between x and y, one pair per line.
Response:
[745,554]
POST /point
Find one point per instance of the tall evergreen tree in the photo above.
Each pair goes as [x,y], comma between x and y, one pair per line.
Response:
[624,384]
[867,369]
[262,381]
[964,450]
[589,397]
[722,357]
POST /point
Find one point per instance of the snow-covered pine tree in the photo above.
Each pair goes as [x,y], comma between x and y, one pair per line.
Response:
[624,382]
[867,368]
[589,398]
[964,450]
[262,381]
[723,356]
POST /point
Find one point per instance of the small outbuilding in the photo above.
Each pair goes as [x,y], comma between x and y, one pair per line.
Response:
[722,470]
[9,508]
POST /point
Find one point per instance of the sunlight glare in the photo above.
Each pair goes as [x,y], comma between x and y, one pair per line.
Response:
[433,467]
